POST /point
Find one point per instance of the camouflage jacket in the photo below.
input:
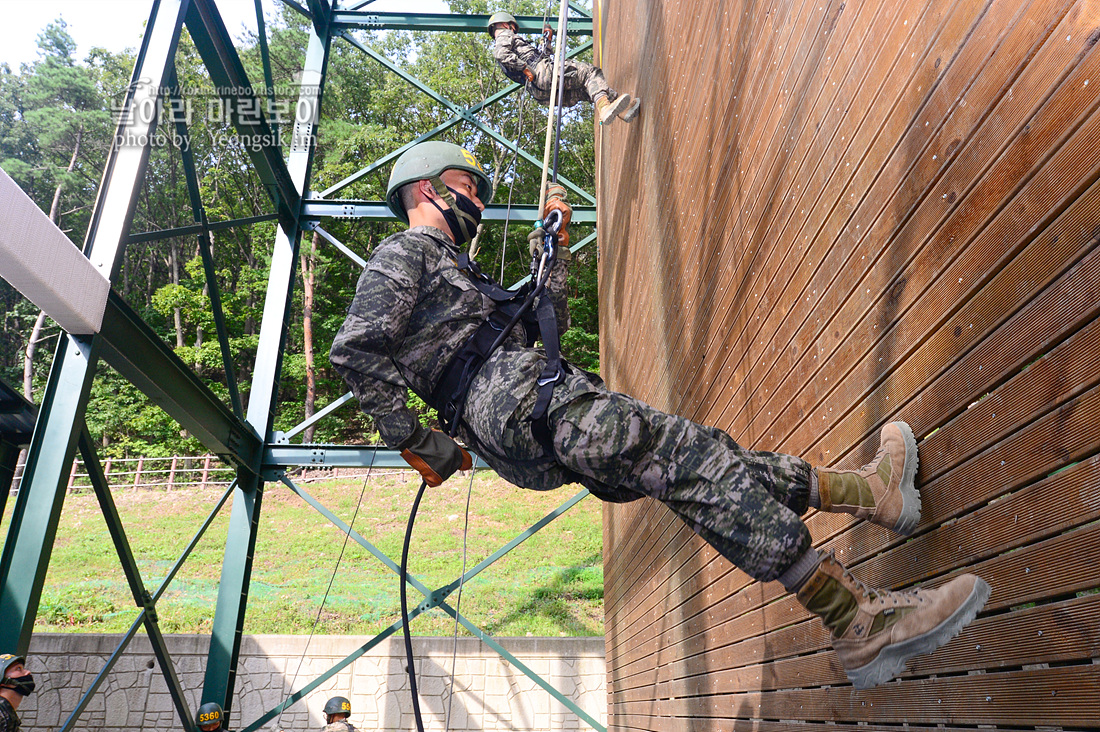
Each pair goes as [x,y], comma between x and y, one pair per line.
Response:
[413,310]
[340,725]
[9,720]
[515,53]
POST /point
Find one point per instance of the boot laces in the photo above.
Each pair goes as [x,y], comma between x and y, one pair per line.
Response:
[873,465]
[879,595]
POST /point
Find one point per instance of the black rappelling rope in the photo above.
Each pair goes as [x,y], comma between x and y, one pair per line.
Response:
[405,607]
[547,262]
[542,276]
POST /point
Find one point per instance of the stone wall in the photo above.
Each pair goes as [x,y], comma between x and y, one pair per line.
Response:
[490,693]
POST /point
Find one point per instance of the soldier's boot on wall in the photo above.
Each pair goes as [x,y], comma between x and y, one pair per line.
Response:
[609,110]
[874,632]
[632,112]
[882,491]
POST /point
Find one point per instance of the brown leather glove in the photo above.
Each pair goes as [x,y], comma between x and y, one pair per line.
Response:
[548,34]
[555,201]
[529,74]
[434,455]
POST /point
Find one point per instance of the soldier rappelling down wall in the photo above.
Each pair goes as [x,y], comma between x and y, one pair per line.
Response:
[532,66]
[541,422]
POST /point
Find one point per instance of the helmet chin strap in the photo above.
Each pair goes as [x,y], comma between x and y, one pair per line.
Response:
[463,225]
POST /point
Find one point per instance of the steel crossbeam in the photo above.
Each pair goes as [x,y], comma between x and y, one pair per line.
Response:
[432,599]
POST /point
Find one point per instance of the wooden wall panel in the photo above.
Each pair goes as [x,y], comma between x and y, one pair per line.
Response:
[831,214]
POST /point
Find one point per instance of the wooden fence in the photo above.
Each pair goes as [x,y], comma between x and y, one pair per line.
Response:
[189,471]
[831,214]
[166,473]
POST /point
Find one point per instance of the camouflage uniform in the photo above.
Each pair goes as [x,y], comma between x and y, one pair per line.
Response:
[514,54]
[413,309]
[340,725]
[9,720]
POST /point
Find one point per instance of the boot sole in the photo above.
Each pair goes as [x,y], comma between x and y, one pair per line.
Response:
[631,112]
[621,103]
[891,660]
[910,496]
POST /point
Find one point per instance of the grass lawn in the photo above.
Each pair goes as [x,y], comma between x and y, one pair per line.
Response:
[551,585]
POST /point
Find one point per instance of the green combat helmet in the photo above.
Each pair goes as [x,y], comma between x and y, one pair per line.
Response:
[337,705]
[499,18]
[210,716]
[427,161]
[6,661]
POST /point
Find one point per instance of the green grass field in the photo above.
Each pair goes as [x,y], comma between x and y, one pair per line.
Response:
[551,585]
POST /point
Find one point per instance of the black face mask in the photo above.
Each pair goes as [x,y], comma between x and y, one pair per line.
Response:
[22,685]
[463,222]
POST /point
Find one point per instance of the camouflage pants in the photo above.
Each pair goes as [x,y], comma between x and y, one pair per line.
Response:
[582,82]
[746,504]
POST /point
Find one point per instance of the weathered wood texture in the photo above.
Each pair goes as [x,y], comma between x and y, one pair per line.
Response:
[831,214]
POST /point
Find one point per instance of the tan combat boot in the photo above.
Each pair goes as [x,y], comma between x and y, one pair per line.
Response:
[876,631]
[883,490]
[609,110]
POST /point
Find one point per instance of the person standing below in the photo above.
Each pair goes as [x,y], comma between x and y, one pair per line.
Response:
[337,710]
[210,718]
[15,684]
[419,302]
[533,67]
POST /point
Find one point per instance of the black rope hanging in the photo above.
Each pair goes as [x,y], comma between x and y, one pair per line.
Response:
[542,277]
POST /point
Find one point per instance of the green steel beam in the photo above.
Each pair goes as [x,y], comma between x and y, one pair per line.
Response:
[33,527]
[320,12]
[124,642]
[317,417]
[439,129]
[315,209]
[205,250]
[351,533]
[461,111]
[278,458]
[225,639]
[142,598]
[197,228]
[89,693]
[529,673]
[367,20]
[139,354]
[243,107]
[433,599]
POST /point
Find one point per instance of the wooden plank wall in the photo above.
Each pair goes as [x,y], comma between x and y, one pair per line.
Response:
[830,214]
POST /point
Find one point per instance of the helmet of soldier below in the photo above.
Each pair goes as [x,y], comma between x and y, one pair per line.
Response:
[7,660]
[499,18]
[337,705]
[209,713]
[428,160]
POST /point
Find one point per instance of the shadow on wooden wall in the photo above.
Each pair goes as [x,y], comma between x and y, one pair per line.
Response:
[830,215]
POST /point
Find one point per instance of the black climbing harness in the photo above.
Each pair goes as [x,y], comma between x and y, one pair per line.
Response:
[528,306]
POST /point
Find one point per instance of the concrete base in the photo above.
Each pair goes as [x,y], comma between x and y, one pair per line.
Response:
[490,694]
